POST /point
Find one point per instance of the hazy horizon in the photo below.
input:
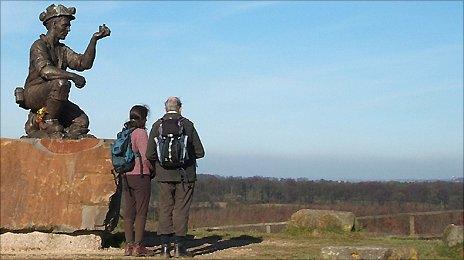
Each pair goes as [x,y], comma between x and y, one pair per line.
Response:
[319,90]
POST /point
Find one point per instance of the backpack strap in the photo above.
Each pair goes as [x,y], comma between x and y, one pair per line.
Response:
[141,163]
[160,128]
[128,188]
[137,154]
[180,124]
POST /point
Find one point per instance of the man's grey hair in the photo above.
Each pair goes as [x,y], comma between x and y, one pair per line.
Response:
[173,104]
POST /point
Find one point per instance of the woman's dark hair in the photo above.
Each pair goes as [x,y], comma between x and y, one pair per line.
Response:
[137,116]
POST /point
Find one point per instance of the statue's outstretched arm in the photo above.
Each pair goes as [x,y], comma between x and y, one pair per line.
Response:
[89,54]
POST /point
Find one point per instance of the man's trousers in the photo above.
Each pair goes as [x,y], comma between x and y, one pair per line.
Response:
[174,205]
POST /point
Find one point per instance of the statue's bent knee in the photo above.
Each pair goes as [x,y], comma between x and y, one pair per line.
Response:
[60,89]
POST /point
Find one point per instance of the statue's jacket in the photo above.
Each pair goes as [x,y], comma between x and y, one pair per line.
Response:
[43,54]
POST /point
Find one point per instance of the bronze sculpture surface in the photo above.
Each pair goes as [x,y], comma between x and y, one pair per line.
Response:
[47,87]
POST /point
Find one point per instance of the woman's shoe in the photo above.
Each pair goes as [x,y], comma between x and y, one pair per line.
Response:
[140,250]
[128,249]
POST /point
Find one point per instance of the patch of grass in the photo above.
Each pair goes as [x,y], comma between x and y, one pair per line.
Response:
[299,231]
[455,252]
[305,244]
[334,233]
[119,227]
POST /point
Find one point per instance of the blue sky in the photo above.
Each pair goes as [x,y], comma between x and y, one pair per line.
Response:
[334,90]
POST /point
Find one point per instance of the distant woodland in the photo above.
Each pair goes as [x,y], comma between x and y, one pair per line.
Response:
[260,190]
[238,200]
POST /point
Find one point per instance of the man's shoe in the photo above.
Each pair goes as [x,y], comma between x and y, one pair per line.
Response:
[181,251]
[140,250]
[166,251]
[128,250]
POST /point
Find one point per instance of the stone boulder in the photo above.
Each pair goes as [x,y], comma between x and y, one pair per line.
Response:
[367,252]
[55,185]
[453,235]
[323,220]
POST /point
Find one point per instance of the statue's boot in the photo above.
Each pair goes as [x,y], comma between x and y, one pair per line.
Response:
[76,132]
[31,125]
[78,128]
[51,126]
[33,128]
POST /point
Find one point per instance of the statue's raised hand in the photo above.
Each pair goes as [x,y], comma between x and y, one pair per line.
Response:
[103,31]
[79,81]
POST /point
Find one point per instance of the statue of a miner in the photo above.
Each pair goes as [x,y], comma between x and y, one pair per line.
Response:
[47,86]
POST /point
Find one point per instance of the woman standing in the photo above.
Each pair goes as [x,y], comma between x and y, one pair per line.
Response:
[137,188]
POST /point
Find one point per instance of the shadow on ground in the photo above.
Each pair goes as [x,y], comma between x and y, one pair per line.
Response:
[150,239]
[197,246]
[214,243]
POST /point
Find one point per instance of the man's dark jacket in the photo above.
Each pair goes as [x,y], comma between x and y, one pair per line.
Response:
[194,148]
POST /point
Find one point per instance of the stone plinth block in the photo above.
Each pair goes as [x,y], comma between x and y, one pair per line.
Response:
[55,185]
[38,241]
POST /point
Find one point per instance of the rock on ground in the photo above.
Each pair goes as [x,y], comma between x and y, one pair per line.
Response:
[367,252]
[322,219]
[453,235]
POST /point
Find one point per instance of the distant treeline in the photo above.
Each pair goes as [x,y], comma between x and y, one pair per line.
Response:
[222,201]
[253,190]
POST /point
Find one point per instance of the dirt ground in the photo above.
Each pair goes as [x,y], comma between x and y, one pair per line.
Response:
[241,245]
[38,245]
[212,247]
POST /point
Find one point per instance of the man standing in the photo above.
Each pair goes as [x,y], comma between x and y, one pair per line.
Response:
[173,147]
[48,84]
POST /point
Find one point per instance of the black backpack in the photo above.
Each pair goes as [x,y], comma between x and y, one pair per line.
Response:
[171,143]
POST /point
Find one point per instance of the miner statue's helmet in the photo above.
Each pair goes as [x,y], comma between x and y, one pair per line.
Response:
[56,11]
